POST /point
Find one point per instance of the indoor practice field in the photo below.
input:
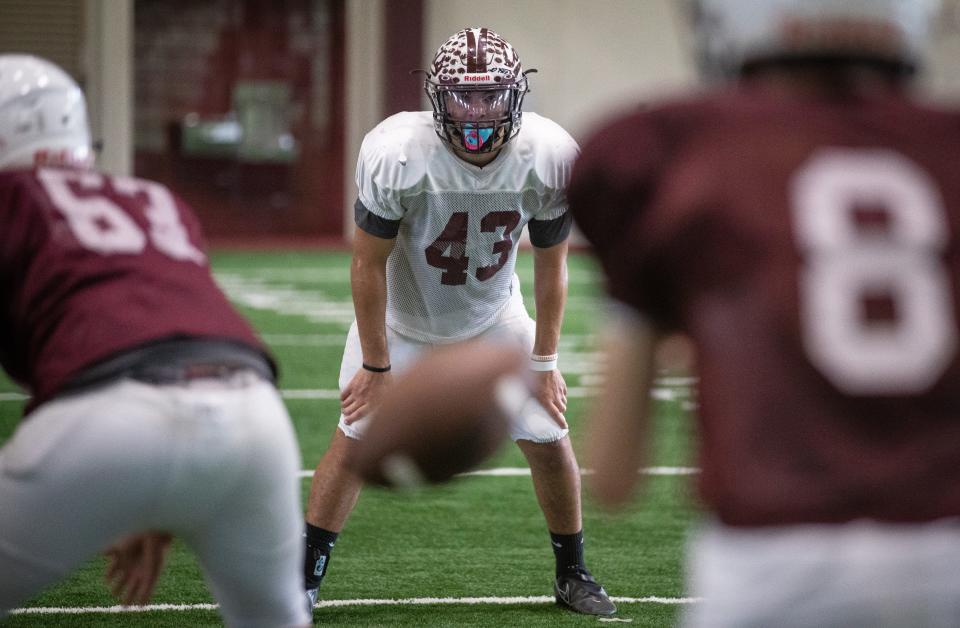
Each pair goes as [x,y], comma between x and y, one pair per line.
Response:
[473,553]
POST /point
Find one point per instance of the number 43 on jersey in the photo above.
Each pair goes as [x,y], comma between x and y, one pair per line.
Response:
[448,251]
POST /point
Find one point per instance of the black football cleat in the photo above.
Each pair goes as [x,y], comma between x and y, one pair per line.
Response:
[580,593]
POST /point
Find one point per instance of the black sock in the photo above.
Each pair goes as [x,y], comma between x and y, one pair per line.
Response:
[568,549]
[320,543]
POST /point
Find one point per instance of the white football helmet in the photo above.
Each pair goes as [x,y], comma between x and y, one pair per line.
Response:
[43,115]
[476,86]
[735,33]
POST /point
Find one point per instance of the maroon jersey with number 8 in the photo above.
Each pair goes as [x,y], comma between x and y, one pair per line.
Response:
[93,265]
[810,250]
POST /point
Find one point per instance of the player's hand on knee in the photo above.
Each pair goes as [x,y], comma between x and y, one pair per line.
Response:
[134,565]
[552,394]
[362,394]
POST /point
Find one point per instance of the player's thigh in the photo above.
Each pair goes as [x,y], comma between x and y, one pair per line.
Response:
[533,422]
[78,473]
[250,546]
[515,328]
[352,356]
[403,352]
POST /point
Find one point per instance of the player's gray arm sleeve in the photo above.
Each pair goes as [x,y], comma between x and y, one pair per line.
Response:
[546,233]
[373,224]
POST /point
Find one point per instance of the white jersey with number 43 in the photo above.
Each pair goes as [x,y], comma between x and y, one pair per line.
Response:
[451,272]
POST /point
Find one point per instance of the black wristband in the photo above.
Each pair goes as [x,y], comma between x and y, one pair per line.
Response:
[376,369]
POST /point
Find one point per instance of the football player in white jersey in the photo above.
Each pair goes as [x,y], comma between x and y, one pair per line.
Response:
[443,198]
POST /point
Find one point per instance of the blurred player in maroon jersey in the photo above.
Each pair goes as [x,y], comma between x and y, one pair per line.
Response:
[800,225]
[153,409]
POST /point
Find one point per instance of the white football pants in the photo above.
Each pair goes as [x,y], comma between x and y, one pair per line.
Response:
[856,575]
[213,462]
[533,423]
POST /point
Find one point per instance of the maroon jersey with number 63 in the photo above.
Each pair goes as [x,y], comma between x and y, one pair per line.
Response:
[810,250]
[92,265]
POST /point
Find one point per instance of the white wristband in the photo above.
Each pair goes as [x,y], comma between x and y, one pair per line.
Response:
[543,362]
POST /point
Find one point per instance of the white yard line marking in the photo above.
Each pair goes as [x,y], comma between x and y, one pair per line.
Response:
[305,340]
[306,393]
[581,362]
[341,275]
[86,610]
[314,305]
[567,344]
[676,381]
[574,392]
[670,471]
[283,296]
[337,274]
[663,393]
[415,601]
[516,472]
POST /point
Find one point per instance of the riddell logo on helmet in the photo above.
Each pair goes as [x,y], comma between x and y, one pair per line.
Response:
[476,78]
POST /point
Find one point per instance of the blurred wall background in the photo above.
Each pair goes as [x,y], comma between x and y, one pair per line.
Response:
[255,109]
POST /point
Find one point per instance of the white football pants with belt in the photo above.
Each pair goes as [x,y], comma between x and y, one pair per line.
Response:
[214,462]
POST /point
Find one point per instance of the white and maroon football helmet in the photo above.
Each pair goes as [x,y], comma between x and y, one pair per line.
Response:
[476,86]
[43,115]
[732,34]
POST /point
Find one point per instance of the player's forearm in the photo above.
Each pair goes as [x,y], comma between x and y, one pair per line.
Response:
[549,320]
[368,281]
[619,416]
[550,297]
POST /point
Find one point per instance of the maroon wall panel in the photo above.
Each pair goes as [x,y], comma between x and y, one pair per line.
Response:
[201,65]
[403,52]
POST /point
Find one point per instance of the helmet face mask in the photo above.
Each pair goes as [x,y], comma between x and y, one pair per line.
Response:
[43,115]
[476,86]
[477,120]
